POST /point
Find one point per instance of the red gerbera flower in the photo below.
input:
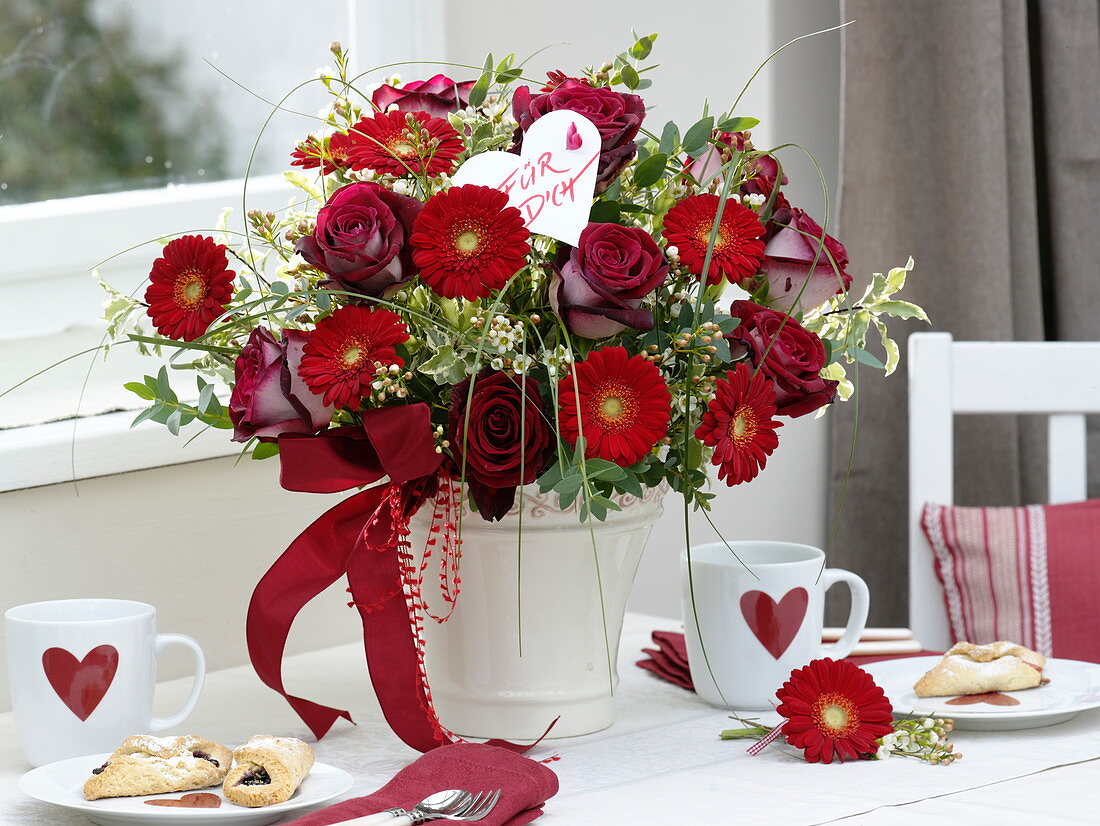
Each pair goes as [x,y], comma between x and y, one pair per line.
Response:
[329,153]
[403,143]
[191,284]
[468,242]
[341,356]
[623,406]
[738,250]
[833,709]
[739,424]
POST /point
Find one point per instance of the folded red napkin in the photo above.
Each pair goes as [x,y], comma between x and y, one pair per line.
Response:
[669,659]
[525,785]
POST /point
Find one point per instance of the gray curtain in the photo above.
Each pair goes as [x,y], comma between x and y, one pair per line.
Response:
[971,140]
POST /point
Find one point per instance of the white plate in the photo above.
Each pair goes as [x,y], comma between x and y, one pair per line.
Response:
[61,784]
[1074,687]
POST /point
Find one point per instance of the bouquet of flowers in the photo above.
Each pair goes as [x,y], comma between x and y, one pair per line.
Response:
[496,282]
[598,366]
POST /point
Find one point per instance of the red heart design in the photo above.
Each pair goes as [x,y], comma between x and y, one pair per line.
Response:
[775,625]
[81,684]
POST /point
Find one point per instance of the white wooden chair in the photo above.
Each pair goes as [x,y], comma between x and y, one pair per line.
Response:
[946,378]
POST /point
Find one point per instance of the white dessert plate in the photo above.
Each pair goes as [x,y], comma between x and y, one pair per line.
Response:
[1074,687]
[61,784]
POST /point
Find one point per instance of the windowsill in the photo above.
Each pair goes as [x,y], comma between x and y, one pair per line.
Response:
[44,454]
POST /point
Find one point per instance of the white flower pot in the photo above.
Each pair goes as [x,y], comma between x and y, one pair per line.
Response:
[482,683]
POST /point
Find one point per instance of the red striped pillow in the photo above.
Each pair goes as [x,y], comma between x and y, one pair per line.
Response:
[1030,574]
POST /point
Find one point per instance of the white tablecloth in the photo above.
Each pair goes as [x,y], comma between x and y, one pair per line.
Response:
[662,762]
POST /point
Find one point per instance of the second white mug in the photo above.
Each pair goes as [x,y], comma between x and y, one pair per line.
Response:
[760,607]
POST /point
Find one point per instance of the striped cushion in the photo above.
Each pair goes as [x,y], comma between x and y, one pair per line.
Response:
[1030,574]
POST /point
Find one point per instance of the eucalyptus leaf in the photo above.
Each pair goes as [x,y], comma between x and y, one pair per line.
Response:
[670,138]
[649,171]
[737,124]
[698,135]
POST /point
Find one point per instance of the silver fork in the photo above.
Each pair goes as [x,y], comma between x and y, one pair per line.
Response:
[450,805]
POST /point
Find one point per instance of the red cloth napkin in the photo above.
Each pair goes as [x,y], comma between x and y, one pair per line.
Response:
[525,785]
[669,659]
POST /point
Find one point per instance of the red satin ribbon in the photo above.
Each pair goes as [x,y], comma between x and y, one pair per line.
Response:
[395,442]
[357,538]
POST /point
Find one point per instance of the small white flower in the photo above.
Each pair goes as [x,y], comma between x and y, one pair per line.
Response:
[325,71]
[755,200]
[497,364]
[401,187]
[673,250]
[883,753]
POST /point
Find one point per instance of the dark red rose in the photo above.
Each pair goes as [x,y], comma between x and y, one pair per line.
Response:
[438,96]
[268,396]
[794,357]
[361,239]
[789,262]
[506,427]
[598,292]
[617,115]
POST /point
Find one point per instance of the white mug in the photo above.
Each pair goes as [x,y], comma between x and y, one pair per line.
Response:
[82,674]
[759,618]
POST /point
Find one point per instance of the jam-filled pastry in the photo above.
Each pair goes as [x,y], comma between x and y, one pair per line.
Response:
[978,669]
[155,765]
[269,770]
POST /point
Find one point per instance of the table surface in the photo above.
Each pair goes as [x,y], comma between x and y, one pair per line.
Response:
[661,763]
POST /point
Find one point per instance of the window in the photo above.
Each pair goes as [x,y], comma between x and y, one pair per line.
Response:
[120,122]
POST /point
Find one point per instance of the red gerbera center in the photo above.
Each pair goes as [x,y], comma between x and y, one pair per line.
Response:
[404,143]
[739,423]
[833,709]
[618,403]
[468,242]
[328,153]
[189,286]
[342,355]
[738,250]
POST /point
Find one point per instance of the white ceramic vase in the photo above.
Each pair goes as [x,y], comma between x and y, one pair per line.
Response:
[526,643]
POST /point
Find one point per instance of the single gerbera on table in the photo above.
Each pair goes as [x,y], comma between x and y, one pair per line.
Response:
[738,250]
[619,403]
[468,242]
[834,709]
[342,355]
[190,285]
[739,423]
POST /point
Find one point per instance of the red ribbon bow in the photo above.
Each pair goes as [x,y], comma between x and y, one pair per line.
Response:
[358,538]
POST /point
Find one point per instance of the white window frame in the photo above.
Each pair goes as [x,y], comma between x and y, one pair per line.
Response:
[102,445]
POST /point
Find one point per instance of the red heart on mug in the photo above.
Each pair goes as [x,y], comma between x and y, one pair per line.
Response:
[775,624]
[81,684]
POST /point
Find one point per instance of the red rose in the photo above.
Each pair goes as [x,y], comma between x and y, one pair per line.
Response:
[438,96]
[269,398]
[617,115]
[789,262]
[361,239]
[487,435]
[598,292]
[786,353]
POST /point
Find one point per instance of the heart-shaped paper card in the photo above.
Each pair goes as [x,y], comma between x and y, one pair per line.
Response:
[553,179]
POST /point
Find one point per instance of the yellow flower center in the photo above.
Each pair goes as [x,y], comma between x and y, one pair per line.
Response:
[352,357]
[467,242]
[190,289]
[402,149]
[835,715]
[612,407]
[743,424]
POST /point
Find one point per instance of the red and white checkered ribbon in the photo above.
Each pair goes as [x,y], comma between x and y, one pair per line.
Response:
[766,740]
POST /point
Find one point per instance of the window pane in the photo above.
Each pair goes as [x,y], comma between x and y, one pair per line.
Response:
[110,95]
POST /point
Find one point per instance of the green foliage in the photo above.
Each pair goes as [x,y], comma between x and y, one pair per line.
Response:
[169,411]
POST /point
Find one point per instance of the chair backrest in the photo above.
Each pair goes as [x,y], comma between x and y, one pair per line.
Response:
[948,378]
